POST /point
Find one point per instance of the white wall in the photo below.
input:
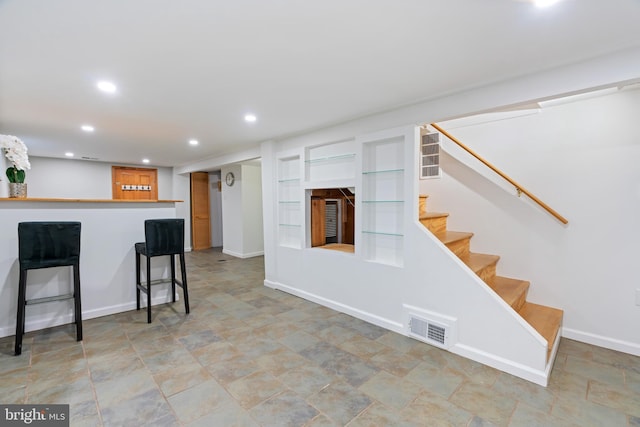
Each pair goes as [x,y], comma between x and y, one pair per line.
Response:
[242,211]
[580,158]
[69,178]
[406,270]
[215,209]
[182,191]
[81,179]
[232,212]
[252,235]
[377,293]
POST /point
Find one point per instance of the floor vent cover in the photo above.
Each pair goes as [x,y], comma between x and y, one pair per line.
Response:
[429,331]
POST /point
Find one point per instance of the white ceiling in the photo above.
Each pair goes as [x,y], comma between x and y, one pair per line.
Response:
[193,68]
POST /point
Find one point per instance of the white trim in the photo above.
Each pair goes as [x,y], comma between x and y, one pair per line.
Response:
[602,341]
[525,372]
[359,314]
[240,255]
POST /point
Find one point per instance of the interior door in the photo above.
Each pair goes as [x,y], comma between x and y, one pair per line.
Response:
[200,216]
[134,183]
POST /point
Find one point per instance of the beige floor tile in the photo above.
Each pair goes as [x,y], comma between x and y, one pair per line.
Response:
[619,398]
[198,401]
[485,402]
[255,388]
[391,391]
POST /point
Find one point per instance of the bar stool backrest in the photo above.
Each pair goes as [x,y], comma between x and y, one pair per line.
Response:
[164,236]
[48,244]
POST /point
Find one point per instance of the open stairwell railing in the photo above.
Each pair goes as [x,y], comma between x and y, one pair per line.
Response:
[519,188]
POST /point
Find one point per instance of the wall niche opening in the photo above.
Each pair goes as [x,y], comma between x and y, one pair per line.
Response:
[333,218]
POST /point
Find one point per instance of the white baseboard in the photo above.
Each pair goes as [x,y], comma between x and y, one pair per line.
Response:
[242,255]
[342,308]
[51,321]
[602,341]
[508,366]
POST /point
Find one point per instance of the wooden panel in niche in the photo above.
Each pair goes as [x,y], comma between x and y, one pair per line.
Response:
[317,221]
[130,183]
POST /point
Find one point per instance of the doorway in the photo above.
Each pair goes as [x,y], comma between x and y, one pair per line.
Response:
[200,214]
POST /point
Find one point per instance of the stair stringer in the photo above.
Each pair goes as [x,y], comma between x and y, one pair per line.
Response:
[489,331]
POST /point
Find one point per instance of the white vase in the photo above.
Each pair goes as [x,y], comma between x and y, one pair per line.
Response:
[4,182]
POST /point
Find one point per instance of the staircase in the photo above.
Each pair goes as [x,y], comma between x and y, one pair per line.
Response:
[545,320]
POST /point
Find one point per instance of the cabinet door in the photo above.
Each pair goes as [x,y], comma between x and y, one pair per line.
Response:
[134,183]
[318,227]
[348,222]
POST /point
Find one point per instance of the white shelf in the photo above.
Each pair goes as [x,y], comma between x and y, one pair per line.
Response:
[332,183]
[335,160]
[289,203]
[383,201]
[332,159]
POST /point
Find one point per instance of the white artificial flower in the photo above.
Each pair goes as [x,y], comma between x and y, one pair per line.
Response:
[15,151]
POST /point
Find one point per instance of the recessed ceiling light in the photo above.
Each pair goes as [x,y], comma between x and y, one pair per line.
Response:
[106,86]
[250,118]
[68,154]
[145,160]
[194,142]
[545,3]
[87,128]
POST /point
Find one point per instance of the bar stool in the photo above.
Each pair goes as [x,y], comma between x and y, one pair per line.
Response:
[162,237]
[43,245]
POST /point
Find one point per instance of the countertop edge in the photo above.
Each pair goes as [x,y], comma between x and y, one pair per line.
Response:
[66,200]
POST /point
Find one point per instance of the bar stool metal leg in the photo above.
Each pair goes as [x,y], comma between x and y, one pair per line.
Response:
[148,290]
[173,278]
[137,281]
[77,301]
[22,290]
[183,270]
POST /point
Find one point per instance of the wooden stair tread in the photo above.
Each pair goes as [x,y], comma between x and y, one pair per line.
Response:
[476,261]
[546,320]
[512,291]
[429,215]
[452,236]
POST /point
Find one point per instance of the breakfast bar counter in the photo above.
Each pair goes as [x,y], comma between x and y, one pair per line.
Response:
[110,228]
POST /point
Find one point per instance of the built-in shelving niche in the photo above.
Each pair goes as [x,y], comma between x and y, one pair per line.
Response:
[383,201]
[290,208]
[330,162]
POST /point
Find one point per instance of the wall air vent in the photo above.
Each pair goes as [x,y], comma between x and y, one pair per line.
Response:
[430,156]
[429,331]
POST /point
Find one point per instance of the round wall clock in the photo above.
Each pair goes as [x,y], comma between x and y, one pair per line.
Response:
[229,179]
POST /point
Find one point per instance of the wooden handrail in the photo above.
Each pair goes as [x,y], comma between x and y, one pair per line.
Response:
[519,188]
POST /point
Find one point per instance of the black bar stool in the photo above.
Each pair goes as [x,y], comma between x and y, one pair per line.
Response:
[162,237]
[44,245]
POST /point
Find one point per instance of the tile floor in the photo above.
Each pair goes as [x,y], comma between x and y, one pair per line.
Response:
[248,355]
